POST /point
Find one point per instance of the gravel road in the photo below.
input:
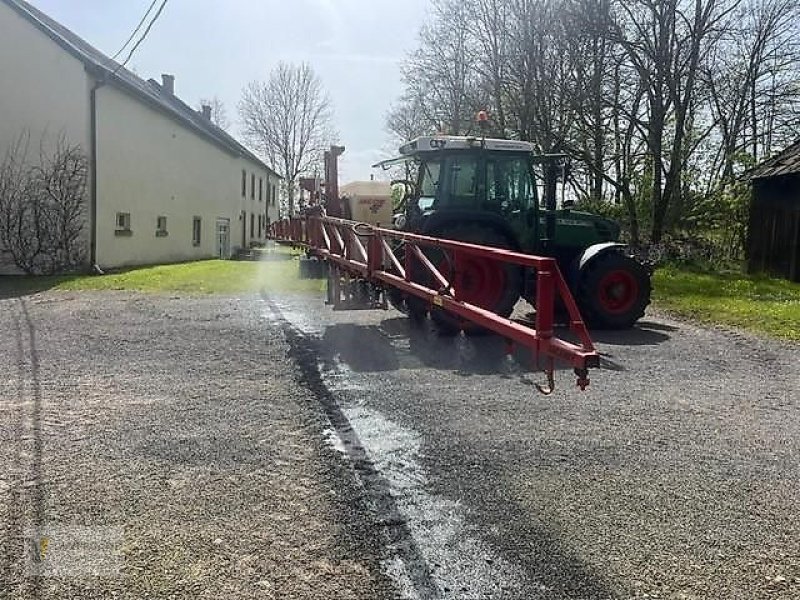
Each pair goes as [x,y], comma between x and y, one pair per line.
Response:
[676,475]
[156,447]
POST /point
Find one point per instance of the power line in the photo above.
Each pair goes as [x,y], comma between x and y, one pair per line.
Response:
[146,31]
[144,35]
[135,31]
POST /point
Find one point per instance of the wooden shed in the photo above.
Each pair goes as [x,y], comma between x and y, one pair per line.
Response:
[773,244]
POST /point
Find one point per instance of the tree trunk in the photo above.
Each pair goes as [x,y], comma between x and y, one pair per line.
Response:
[656,144]
[630,206]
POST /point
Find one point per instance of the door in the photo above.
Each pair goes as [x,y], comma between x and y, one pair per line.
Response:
[223,238]
[794,267]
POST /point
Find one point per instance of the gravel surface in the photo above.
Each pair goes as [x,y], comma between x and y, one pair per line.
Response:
[270,447]
[157,447]
[676,475]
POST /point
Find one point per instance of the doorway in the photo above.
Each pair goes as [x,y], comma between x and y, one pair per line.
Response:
[223,238]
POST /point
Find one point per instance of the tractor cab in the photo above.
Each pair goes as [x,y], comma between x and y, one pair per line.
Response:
[480,177]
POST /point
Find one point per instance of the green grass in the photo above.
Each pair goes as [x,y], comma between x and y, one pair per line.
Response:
[201,277]
[756,303]
[760,304]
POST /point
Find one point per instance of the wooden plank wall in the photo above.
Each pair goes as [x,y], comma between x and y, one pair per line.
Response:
[774,231]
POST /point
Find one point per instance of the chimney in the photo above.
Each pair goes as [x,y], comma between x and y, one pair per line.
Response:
[168,84]
[206,111]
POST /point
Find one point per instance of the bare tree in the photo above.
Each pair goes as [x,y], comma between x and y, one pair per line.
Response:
[219,115]
[441,83]
[663,102]
[289,120]
[752,84]
[42,207]
[666,44]
[407,118]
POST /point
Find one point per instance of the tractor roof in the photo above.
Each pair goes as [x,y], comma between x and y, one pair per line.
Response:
[434,143]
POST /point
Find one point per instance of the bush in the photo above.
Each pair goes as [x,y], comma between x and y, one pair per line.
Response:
[42,207]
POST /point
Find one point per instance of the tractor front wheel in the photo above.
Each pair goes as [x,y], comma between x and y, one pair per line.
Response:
[613,292]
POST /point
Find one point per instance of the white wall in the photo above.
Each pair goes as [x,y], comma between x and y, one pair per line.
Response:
[43,90]
[149,165]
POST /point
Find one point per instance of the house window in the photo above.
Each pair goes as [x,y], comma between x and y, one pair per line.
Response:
[244,183]
[123,221]
[252,225]
[161,226]
[273,195]
[196,228]
[252,186]
[260,189]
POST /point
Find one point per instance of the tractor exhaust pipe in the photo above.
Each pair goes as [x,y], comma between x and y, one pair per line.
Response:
[551,170]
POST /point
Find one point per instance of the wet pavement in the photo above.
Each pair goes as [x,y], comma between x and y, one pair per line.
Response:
[675,475]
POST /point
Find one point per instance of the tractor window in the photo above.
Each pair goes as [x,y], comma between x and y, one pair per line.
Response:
[429,184]
[508,184]
[461,180]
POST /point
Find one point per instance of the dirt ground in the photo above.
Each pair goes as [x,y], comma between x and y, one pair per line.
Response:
[162,447]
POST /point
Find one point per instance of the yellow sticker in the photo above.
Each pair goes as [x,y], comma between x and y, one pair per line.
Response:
[438,301]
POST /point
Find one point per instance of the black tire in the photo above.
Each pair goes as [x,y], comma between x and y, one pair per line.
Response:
[613,291]
[396,299]
[506,298]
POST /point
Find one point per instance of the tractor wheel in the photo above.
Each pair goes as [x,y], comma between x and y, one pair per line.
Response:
[413,307]
[613,292]
[479,281]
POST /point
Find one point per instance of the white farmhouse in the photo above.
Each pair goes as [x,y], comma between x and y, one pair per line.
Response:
[165,183]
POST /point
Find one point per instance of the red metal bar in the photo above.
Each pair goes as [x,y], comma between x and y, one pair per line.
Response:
[387,253]
[338,240]
[444,285]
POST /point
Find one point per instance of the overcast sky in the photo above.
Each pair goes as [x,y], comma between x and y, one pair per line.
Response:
[215,47]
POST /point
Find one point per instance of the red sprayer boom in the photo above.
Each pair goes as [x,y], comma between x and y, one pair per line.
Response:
[363,264]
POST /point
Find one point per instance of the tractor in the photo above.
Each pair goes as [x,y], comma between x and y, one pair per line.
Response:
[498,192]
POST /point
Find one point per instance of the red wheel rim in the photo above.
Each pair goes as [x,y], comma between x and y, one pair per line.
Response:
[478,281]
[618,291]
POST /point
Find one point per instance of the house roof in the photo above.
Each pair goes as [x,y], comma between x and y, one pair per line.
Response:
[785,163]
[108,71]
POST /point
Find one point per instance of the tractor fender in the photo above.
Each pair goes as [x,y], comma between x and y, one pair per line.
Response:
[595,250]
[439,220]
[584,259]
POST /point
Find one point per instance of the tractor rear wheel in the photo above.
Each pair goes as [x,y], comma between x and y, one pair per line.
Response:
[613,292]
[483,282]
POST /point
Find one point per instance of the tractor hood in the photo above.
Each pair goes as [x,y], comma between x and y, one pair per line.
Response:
[578,228]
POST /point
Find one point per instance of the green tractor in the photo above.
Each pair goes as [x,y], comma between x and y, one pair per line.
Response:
[499,193]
